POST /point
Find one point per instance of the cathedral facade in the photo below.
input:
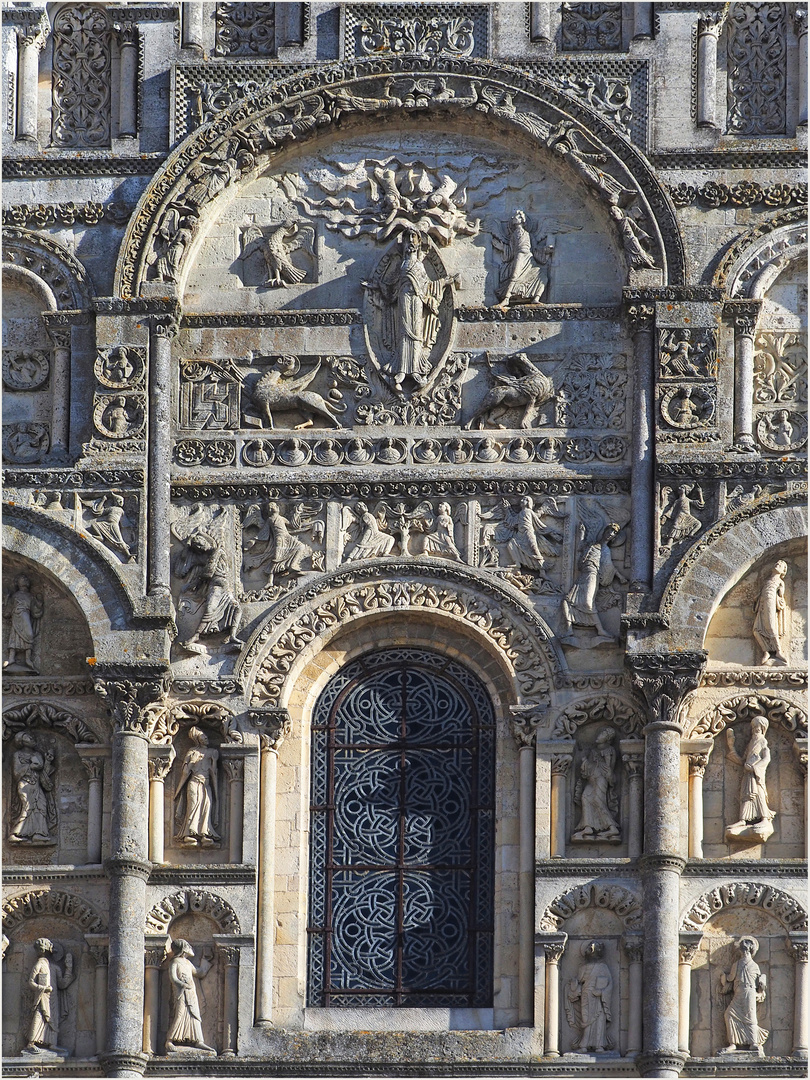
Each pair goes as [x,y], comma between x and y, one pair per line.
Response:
[404,613]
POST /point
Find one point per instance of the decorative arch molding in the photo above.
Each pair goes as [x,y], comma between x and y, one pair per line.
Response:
[745,894]
[192,902]
[786,714]
[36,902]
[491,611]
[755,259]
[165,720]
[82,569]
[624,904]
[40,714]
[621,712]
[245,138]
[63,274]
[722,556]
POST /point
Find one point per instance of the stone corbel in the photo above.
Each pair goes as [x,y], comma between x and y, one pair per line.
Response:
[697,751]
[98,944]
[687,950]
[93,756]
[552,946]
[554,759]
[632,754]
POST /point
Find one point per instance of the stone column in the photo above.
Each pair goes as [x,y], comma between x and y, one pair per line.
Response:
[642,20]
[540,23]
[128,80]
[560,770]
[229,949]
[100,955]
[709,26]
[632,751]
[92,757]
[273,726]
[161,758]
[634,950]
[31,38]
[191,14]
[697,752]
[154,957]
[800,26]
[162,330]
[60,389]
[687,949]
[127,692]
[525,723]
[641,319]
[745,314]
[663,679]
[800,752]
[232,756]
[553,946]
[797,944]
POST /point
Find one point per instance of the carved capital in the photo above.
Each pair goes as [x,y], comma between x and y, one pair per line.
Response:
[664,680]
[633,764]
[153,956]
[640,318]
[697,764]
[166,327]
[711,19]
[634,948]
[800,754]
[798,946]
[100,955]
[553,946]
[273,726]
[234,769]
[127,34]
[94,767]
[561,764]
[34,30]
[687,950]
[128,693]
[525,722]
[161,759]
[744,314]
[799,15]
[59,335]
[229,953]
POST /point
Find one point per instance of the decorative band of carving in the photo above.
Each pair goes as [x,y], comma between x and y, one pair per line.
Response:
[52,902]
[652,863]
[615,898]
[607,710]
[42,715]
[787,714]
[199,901]
[660,1059]
[126,866]
[746,894]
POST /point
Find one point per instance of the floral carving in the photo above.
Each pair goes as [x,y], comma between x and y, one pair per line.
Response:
[745,707]
[38,902]
[245,29]
[591,27]
[40,714]
[81,77]
[607,710]
[757,76]
[198,901]
[594,894]
[426,35]
[746,894]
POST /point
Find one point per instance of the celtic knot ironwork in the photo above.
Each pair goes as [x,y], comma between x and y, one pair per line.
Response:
[402,835]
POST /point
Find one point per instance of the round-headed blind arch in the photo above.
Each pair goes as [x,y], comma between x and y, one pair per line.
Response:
[402,835]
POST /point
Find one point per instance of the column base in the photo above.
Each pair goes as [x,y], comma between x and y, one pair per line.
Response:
[661,1063]
[128,1066]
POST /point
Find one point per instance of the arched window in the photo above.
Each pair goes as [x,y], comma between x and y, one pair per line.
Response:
[402,835]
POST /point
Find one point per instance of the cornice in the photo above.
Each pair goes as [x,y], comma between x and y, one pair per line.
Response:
[77,165]
[761,869]
[210,875]
[36,875]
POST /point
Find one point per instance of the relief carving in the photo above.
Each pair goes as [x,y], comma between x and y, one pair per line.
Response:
[756,817]
[529,389]
[81,77]
[121,367]
[278,390]
[595,793]
[271,546]
[686,408]
[205,567]
[524,271]
[106,520]
[24,608]
[677,520]
[25,370]
[32,806]
[428,35]
[185,1026]
[747,986]
[587,1001]
[681,357]
[757,75]
[366,533]
[769,616]
[120,417]
[174,234]
[26,444]
[50,976]
[275,244]
[591,27]
[197,794]
[596,570]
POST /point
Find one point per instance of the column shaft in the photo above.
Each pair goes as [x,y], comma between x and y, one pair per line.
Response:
[100,1007]
[697,767]
[641,466]
[642,19]
[526,956]
[159,457]
[231,1009]
[800,22]
[266,906]
[128,82]
[28,49]
[560,765]
[634,1007]
[94,819]
[235,771]
[156,821]
[540,20]
[684,1000]
[151,1006]
[801,1002]
[744,387]
[708,33]
[60,391]
[552,1018]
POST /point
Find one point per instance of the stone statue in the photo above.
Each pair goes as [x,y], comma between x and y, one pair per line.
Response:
[523,275]
[747,985]
[596,569]
[595,792]
[32,806]
[372,542]
[530,389]
[173,236]
[48,980]
[677,520]
[411,299]
[196,794]
[756,817]
[185,1027]
[769,616]
[587,1001]
[25,610]
[205,565]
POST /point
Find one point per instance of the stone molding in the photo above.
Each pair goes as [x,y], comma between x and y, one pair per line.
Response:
[54,264]
[320,610]
[769,899]
[624,903]
[751,243]
[787,714]
[199,901]
[49,901]
[714,194]
[623,714]
[320,97]
[42,714]
[128,692]
[664,679]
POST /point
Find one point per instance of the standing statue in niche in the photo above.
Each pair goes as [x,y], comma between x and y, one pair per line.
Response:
[523,275]
[769,616]
[33,805]
[197,794]
[595,792]
[756,817]
[747,986]
[587,1001]
[25,610]
[185,1027]
[48,980]
[596,570]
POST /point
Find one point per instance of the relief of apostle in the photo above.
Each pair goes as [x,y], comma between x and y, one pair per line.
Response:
[47,981]
[746,984]
[33,806]
[587,1004]
[185,1027]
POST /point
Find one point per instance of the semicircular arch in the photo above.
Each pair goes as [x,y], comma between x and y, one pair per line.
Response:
[626,905]
[243,139]
[736,894]
[192,902]
[754,260]
[48,903]
[64,277]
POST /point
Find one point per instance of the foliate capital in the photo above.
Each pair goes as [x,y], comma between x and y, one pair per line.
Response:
[272,724]
[128,692]
[525,722]
[664,680]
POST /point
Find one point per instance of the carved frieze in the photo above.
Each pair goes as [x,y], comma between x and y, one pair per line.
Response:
[427,30]
[780,391]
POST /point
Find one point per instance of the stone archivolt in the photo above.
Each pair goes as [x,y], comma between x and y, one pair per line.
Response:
[769,899]
[50,901]
[623,903]
[198,901]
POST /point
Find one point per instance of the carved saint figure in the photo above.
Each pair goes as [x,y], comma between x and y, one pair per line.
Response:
[206,567]
[442,540]
[372,542]
[634,239]
[769,616]
[595,792]
[587,1001]
[173,235]
[529,539]
[596,569]
[756,816]
[47,981]
[274,549]
[414,299]
[109,518]
[747,985]
[196,794]
[677,520]
[676,355]
[33,806]
[25,610]
[523,275]
[185,1027]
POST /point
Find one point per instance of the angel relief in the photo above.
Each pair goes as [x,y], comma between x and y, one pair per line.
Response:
[595,575]
[402,529]
[519,540]
[523,275]
[272,548]
[275,244]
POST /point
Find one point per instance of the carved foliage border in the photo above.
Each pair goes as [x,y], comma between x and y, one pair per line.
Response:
[306,95]
[787,714]
[746,247]
[47,259]
[610,709]
[43,715]
[771,900]
[625,904]
[517,632]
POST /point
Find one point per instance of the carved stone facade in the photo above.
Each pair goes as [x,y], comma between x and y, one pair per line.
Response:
[404,618]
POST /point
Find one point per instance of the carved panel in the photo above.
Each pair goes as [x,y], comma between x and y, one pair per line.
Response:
[591,27]
[81,77]
[780,391]
[421,29]
[245,29]
[757,69]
